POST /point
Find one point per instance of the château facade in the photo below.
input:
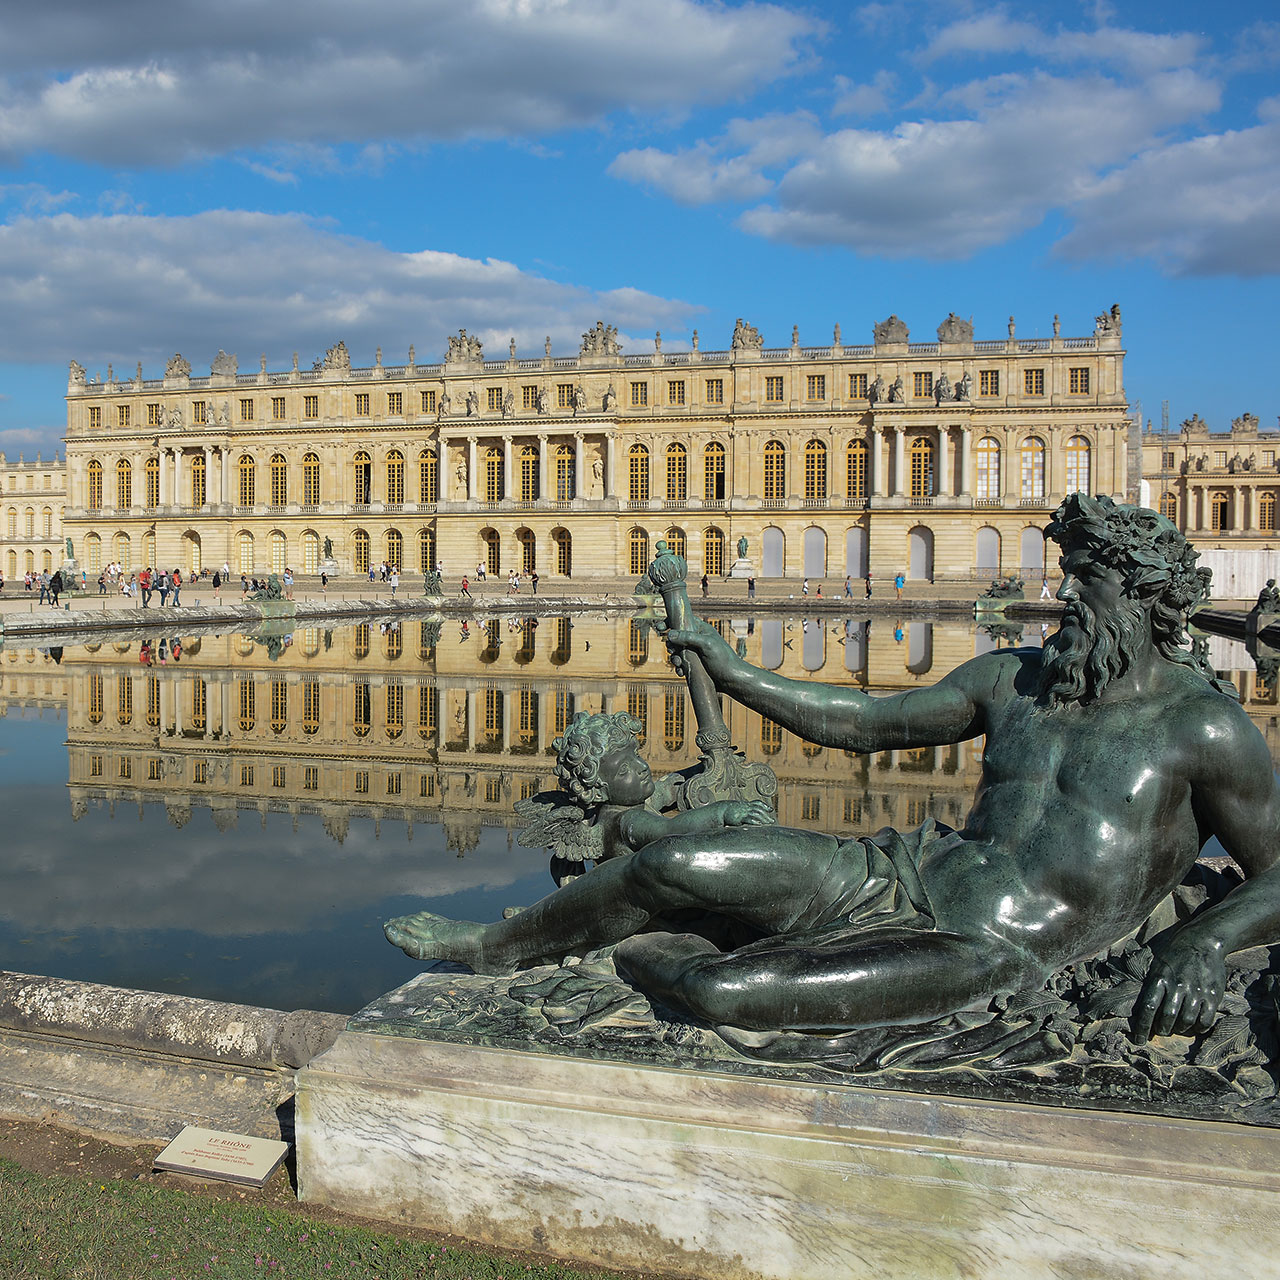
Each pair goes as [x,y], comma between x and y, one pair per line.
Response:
[32,496]
[939,459]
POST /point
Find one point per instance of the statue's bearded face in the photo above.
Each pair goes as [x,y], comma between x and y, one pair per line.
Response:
[1101,631]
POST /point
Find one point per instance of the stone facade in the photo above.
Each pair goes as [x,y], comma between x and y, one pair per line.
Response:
[1221,488]
[32,495]
[938,459]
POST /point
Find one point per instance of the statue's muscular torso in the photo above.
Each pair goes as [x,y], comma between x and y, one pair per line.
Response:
[1083,818]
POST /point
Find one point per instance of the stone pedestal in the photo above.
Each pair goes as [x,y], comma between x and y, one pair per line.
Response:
[743,569]
[328,565]
[724,1177]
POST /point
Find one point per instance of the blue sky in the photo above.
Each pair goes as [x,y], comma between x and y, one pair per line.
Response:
[272,177]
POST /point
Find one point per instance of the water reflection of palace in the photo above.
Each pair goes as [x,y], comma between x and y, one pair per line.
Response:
[430,724]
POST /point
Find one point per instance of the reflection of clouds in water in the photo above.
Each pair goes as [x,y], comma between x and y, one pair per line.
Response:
[126,874]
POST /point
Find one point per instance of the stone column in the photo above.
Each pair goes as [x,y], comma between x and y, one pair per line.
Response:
[162,458]
[899,451]
[875,480]
[543,492]
[176,496]
[442,469]
[508,473]
[471,719]
[577,464]
[225,495]
[944,461]
[608,468]
[471,468]
[966,462]
[208,475]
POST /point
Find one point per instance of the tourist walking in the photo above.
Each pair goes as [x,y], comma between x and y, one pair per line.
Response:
[288,583]
[144,585]
[898,583]
[162,587]
[44,588]
[533,581]
[217,585]
[102,584]
[55,586]
[1045,593]
[394,579]
[465,584]
[804,587]
[867,583]
[175,579]
[751,588]
[706,586]
[848,587]
[324,583]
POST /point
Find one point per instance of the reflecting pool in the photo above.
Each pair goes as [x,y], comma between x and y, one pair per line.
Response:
[234,816]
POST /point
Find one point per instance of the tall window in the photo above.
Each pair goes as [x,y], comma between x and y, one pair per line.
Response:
[279,480]
[95,698]
[529,473]
[426,550]
[311,479]
[428,476]
[639,395]
[713,551]
[361,544]
[310,551]
[277,408]
[199,481]
[362,404]
[361,709]
[1220,511]
[1267,511]
[279,706]
[395,549]
[566,473]
[124,483]
[152,473]
[1169,506]
[1033,467]
[247,472]
[677,543]
[95,485]
[362,476]
[124,700]
[562,539]
[856,470]
[815,471]
[673,720]
[279,551]
[311,406]
[1078,381]
[199,704]
[677,472]
[494,477]
[395,478]
[775,471]
[122,417]
[713,478]
[395,404]
[246,410]
[428,711]
[153,702]
[638,474]
[1078,464]
[428,401]
[638,545]
[922,468]
[244,544]
[986,459]
[248,705]
[95,416]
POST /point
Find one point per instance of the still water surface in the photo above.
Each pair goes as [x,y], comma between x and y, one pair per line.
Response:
[237,824]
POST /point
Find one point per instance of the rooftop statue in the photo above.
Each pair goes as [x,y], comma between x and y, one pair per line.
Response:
[1111,757]
[1268,598]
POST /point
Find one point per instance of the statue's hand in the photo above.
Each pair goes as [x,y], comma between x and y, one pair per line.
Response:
[749,813]
[1183,988]
[702,639]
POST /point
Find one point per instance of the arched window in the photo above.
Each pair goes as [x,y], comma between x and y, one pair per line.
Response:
[361,543]
[95,698]
[244,543]
[279,551]
[856,470]
[1032,468]
[29,522]
[1169,506]
[673,719]
[677,543]
[362,478]
[310,707]
[638,474]
[199,481]
[310,551]
[638,544]
[428,476]
[1220,511]
[713,477]
[713,552]
[1267,511]
[815,471]
[395,700]
[124,700]
[775,471]
[122,551]
[95,486]
[360,641]
[152,473]
[395,478]
[528,550]
[986,460]
[637,645]
[149,549]
[93,552]
[395,549]
[770,737]
[495,480]
[1078,465]
[562,540]
[426,550]
[922,468]
[310,480]
[46,522]
[279,706]
[492,552]
[248,481]
[566,473]
[361,709]
[13,522]
[124,483]
[279,480]
[529,467]
[677,472]
[248,705]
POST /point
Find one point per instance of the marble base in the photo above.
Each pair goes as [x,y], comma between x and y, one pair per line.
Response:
[698,1173]
[743,569]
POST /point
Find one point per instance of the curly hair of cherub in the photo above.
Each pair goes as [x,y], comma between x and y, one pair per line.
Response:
[587,740]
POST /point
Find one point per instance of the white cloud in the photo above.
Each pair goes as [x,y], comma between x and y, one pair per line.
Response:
[867,99]
[129,287]
[163,81]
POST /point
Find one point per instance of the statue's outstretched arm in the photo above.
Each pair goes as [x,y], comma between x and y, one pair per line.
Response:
[834,716]
[1236,798]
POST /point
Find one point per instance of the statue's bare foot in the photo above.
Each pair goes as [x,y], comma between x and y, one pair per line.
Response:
[426,936]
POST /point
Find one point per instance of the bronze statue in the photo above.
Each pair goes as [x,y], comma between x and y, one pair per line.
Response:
[1110,758]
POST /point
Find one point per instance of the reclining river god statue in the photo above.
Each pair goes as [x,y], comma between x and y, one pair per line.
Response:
[1110,758]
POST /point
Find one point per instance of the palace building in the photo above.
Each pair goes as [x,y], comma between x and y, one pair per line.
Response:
[939,459]
[32,495]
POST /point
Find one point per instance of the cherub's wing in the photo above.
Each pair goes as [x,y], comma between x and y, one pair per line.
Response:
[554,820]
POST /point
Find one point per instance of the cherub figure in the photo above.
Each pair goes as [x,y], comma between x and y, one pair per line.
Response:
[611,806]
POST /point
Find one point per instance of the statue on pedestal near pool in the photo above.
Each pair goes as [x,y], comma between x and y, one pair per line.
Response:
[1110,758]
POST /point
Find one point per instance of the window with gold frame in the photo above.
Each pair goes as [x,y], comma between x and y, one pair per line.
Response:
[638,473]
